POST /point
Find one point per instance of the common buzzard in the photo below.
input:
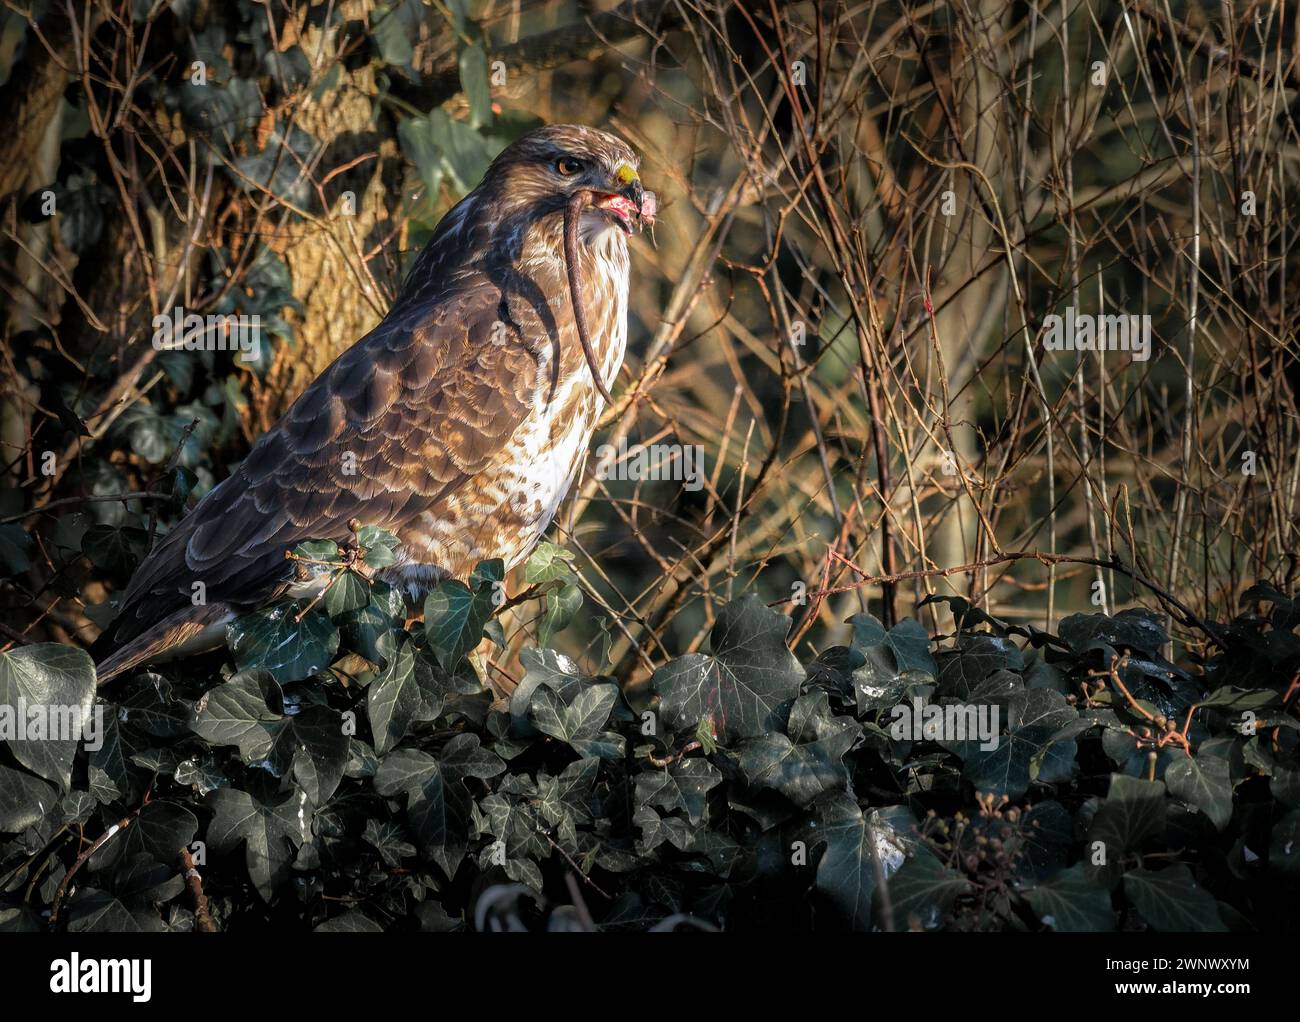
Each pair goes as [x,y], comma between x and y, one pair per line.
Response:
[458,423]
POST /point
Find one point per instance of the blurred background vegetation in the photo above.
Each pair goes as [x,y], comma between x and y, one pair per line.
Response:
[867,211]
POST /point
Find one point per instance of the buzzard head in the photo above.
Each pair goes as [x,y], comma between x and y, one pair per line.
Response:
[542,171]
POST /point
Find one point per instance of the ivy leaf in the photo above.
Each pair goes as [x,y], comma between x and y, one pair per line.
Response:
[1135,629]
[1284,785]
[392,27]
[378,547]
[111,776]
[94,911]
[290,68]
[877,685]
[151,704]
[1132,813]
[561,606]
[153,437]
[81,216]
[543,667]
[270,831]
[1204,782]
[280,169]
[566,799]
[961,670]
[910,644]
[320,750]
[24,800]
[745,684]
[454,618]
[513,820]
[577,724]
[1071,903]
[318,557]
[966,616]
[464,756]
[656,829]
[1006,768]
[275,641]
[47,693]
[685,785]
[418,147]
[463,154]
[922,892]
[350,922]
[438,809]
[349,592]
[161,830]
[868,632]
[799,772]
[144,880]
[236,713]
[313,741]
[220,112]
[14,544]
[201,774]
[389,841]
[406,691]
[1284,846]
[1238,700]
[1171,900]
[548,563]
[114,550]
[846,874]
[360,630]
[1006,690]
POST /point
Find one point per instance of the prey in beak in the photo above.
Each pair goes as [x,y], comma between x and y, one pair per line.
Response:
[631,206]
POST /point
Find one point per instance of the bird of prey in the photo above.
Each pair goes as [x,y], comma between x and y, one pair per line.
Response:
[458,424]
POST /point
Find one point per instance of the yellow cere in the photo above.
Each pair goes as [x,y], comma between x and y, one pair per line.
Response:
[626,173]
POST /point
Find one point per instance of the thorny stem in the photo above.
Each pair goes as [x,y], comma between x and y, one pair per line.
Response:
[578,869]
[669,760]
[202,917]
[99,843]
[1168,733]
[1189,616]
[352,556]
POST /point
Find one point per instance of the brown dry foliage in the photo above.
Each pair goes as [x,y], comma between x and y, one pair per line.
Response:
[868,210]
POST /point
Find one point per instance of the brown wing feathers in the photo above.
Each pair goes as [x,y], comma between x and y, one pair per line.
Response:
[389,430]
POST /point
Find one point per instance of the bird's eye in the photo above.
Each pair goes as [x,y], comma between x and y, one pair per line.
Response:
[568,166]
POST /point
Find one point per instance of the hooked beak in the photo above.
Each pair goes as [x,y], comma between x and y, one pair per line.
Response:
[644,202]
[630,206]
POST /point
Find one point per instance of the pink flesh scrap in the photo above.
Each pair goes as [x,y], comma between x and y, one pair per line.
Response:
[626,208]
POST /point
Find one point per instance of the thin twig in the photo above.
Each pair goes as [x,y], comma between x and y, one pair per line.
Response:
[202,916]
[99,843]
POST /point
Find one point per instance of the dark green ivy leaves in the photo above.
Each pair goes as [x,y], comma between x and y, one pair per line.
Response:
[860,849]
[410,688]
[455,614]
[285,639]
[407,788]
[743,686]
[314,741]
[439,806]
[47,695]
[271,831]
[809,765]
